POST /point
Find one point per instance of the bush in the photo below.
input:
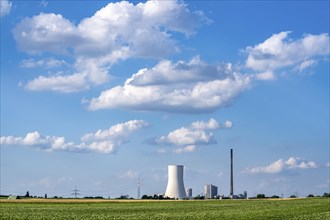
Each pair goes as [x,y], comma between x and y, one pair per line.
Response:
[91,197]
[199,197]
[124,197]
[146,197]
[156,197]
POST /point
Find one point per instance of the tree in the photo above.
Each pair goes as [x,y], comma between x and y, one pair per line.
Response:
[261,196]
[27,194]
[146,197]
[46,196]
[310,195]
[124,197]
[326,195]
[293,196]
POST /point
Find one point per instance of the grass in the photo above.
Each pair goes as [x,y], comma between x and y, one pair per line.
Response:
[308,208]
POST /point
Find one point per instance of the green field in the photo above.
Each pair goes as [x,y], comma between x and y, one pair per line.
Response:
[308,208]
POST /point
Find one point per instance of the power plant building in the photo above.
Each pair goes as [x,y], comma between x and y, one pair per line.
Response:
[189,193]
[175,186]
[210,191]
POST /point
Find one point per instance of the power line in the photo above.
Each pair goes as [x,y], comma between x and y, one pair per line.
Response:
[75,192]
[138,190]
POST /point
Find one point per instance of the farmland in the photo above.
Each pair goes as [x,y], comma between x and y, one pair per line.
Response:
[307,208]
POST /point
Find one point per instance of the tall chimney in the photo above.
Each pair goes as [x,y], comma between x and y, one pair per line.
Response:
[231,174]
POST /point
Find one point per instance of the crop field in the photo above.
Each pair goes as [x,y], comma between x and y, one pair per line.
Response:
[307,208]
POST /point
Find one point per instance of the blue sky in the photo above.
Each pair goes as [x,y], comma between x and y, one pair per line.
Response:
[95,94]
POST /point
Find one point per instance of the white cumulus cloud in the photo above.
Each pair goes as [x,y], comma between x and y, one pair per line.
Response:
[5,7]
[187,136]
[278,52]
[227,124]
[185,139]
[265,76]
[59,83]
[43,63]
[187,149]
[46,32]
[121,130]
[209,125]
[283,165]
[187,87]
[35,139]
[167,72]
[130,174]
[116,32]
[102,141]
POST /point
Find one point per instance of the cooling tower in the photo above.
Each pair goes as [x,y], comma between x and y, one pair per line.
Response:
[175,187]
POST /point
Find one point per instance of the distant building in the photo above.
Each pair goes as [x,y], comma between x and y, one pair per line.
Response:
[189,192]
[210,191]
[241,196]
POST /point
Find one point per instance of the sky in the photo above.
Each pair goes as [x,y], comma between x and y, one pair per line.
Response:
[98,94]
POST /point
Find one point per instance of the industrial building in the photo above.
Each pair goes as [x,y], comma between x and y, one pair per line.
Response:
[210,191]
[189,193]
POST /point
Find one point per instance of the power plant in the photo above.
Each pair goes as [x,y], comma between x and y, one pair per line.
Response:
[175,187]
